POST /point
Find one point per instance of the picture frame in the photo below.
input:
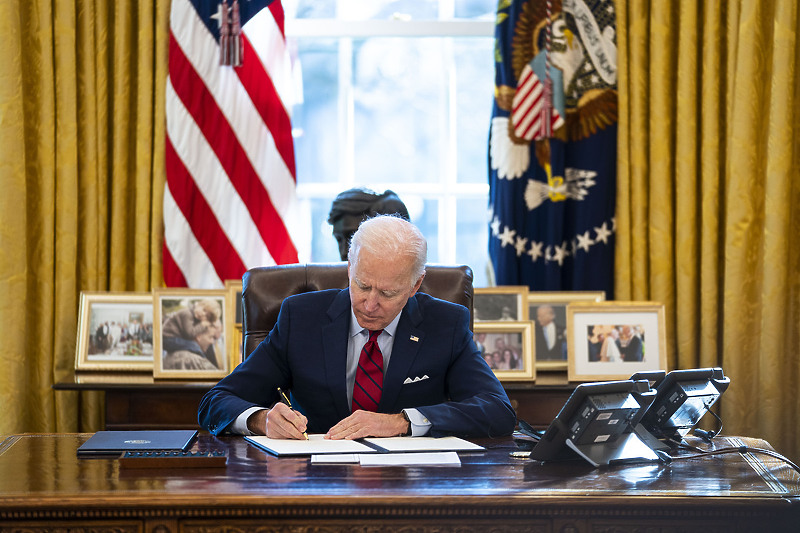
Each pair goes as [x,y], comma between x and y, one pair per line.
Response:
[493,338]
[115,332]
[234,295]
[192,337]
[592,356]
[550,348]
[508,303]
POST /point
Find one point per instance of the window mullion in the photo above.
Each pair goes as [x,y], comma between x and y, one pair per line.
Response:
[449,172]
[346,138]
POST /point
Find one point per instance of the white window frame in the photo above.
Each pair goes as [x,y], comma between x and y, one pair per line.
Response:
[447,190]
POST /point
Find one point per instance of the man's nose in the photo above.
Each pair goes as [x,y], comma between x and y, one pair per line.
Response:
[372,301]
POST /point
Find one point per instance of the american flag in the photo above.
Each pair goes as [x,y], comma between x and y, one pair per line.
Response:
[532,108]
[229,201]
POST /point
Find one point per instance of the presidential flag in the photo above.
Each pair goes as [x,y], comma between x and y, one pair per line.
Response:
[552,145]
[229,200]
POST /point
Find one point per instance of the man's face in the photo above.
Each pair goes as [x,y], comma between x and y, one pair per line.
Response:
[343,230]
[380,288]
[544,315]
[209,336]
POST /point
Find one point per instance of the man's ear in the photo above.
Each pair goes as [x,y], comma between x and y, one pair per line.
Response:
[416,285]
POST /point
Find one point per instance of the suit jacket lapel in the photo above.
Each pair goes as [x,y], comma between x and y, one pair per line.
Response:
[404,351]
[334,342]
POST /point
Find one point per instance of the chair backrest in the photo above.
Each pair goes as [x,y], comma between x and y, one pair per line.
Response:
[264,288]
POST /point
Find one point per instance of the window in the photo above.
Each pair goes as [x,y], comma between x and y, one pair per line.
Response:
[397,95]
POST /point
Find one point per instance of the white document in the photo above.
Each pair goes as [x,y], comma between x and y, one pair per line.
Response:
[423,444]
[411,459]
[314,445]
[335,458]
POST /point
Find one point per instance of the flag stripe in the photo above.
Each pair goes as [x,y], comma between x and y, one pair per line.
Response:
[258,85]
[270,45]
[527,85]
[186,251]
[276,10]
[173,276]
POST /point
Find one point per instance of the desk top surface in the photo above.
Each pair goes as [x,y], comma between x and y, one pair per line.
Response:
[45,468]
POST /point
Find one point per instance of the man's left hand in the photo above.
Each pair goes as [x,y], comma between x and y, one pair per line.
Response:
[368,424]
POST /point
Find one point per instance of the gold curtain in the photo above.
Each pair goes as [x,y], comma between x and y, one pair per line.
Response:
[708,209]
[81,143]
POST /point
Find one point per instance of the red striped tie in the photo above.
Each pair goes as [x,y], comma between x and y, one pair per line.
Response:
[369,375]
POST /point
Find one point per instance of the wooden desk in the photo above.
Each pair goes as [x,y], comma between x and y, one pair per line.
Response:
[45,487]
[137,401]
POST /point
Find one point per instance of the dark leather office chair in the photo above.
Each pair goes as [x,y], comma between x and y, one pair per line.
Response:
[264,288]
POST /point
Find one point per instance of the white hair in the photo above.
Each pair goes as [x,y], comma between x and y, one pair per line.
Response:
[391,236]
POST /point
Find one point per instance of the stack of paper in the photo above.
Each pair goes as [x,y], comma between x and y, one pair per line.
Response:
[394,451]
[410,459]
[422,444]
[315,444]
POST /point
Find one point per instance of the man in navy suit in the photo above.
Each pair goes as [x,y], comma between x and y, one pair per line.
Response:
[550,336]
[435,381]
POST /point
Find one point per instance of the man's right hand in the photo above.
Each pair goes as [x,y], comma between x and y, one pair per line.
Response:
[280,422]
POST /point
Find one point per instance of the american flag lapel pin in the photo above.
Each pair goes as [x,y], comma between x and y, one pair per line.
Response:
[414,338]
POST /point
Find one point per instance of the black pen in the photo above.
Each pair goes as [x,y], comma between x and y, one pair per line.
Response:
[285,399]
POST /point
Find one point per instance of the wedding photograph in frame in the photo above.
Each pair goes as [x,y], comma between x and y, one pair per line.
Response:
[115,332]
[234,289]
[614,340]
[192,337]
[506,303]
[547,310]
[507,349]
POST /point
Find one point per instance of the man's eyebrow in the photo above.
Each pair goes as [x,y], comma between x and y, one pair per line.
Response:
[385,292]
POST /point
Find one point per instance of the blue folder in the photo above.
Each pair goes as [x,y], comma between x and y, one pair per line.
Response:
[118,442]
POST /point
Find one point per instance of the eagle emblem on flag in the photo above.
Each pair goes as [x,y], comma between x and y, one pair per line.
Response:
[584,93]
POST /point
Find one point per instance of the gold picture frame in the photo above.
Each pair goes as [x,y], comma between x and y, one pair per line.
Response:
[192,337]
[508,303]
[115,332]
[614,340]
[493,338]
[550,349]
[235,317]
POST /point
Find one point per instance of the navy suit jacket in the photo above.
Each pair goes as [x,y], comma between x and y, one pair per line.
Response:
[306,352]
